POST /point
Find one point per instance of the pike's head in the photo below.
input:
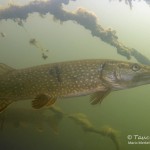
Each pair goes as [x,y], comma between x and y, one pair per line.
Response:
[122,75]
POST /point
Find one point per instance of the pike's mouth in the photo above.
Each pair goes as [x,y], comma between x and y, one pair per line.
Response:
[143,78]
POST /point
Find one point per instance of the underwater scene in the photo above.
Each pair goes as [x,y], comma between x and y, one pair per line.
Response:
[74,74]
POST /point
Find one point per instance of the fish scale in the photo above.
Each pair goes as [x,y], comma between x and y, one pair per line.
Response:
[47,83]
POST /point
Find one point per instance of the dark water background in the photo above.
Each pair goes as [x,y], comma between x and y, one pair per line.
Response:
[126,111]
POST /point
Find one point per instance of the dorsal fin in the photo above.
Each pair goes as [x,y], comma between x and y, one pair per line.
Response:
[5,69]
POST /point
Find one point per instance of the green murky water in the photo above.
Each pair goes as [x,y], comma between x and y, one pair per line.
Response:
[70,35]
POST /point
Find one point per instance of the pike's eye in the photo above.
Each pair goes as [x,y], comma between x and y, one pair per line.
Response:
[136,67]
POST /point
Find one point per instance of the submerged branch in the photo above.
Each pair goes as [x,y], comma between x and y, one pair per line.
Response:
[82,16]
[87,126]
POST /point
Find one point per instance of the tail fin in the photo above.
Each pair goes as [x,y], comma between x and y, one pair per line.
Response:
[5,69]
[4,102]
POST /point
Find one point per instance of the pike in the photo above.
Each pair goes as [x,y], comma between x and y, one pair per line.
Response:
[45,84]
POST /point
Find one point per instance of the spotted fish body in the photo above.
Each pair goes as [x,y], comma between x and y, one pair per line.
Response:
[46,83]
[57,80]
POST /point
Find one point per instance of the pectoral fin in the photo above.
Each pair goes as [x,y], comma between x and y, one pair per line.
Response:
[42,100]
[4,104]
[99,96]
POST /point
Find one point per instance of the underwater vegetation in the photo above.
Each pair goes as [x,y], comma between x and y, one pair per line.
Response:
[2,34]
[35,43]
[129,2]
[52,117]
[82,16]
[25,117]
[83,121]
